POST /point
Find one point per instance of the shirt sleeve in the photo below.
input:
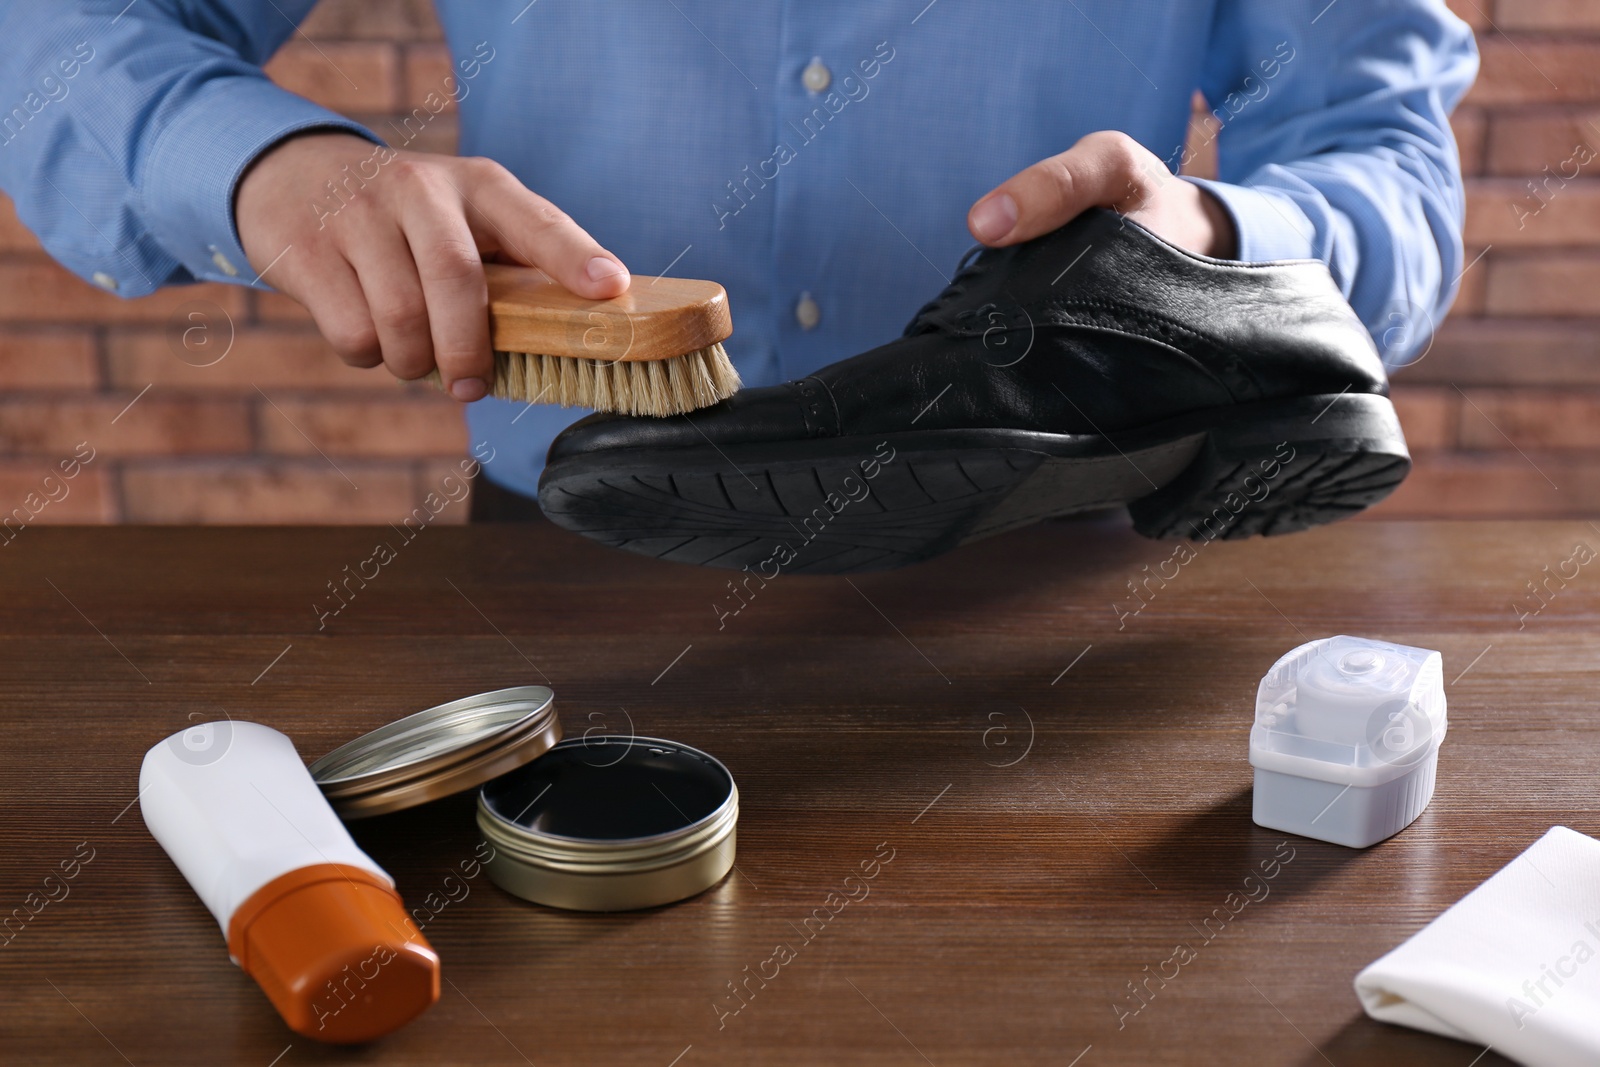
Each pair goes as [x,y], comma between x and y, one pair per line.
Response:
[1335,144]
[132,124]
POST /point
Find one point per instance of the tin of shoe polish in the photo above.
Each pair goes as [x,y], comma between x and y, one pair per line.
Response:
[611,824]
[434,753]
[591,824]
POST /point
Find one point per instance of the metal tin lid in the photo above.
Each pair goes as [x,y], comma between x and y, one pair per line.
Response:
[611,824]
[444,750]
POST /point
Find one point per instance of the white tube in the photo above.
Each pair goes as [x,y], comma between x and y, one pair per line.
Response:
[234,806]
[305,912]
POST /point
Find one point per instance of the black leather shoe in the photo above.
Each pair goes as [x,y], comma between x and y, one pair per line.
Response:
[1097,365]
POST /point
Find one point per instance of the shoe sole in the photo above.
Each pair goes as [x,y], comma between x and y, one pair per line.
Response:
[850,504]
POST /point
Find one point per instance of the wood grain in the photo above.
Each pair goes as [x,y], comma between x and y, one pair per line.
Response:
[1064,800]
[657,318]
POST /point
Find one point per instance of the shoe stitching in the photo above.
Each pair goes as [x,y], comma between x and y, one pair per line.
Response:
[1238,375]
[838,419]
[811,407]
[1233,374]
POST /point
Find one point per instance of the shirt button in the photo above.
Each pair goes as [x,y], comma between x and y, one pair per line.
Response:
[222,262]
[105,281]
[806,312]
[816,76]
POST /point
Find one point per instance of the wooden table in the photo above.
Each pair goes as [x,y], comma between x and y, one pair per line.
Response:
[1064,801]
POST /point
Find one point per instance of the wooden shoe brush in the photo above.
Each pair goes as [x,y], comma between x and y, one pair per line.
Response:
[654,350]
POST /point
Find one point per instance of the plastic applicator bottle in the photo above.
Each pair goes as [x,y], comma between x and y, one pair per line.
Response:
[307,914]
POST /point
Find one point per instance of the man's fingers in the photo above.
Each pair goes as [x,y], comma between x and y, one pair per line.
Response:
[451,270]
[394,297]
[508,217]
[1102,170]
[394,274]
[332,293]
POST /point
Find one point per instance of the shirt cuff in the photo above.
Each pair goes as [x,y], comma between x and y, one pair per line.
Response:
[1269,224]
[195,165]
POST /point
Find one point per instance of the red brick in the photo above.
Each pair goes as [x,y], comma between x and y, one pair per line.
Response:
[1470,125]
[1549,15]
[88,497]
[1526,71]
[372,20]
[266,491]
[439,134]
[1535,352]
[289,357]
[273,306]
[1474,283]
[430,478]
[47,359]
[399,428]
[1200,149]
[1524,141]
[1546,283]
[442,135]
[1503,212]
[1499,485]
[1530,419]
[1427,415]
[1475,13]
[14,236]
[35,289]
[426,68]
[347,76]
[154,426]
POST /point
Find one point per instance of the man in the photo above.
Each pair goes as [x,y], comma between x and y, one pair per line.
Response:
[827,164]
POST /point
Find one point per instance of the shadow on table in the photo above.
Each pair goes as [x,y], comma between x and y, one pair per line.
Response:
[1365,1042]
[968,589]
[1220,851]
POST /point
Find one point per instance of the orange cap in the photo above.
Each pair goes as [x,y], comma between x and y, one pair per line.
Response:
[335,952]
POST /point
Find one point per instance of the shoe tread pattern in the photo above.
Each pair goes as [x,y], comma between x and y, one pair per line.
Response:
[916,507]
[1316,490]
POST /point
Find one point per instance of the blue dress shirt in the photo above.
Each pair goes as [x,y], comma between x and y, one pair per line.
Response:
[817,159]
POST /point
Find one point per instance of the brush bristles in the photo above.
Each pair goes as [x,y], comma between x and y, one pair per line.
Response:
[631,387]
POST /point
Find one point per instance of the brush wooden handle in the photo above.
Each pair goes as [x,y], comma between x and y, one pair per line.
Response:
[657,318]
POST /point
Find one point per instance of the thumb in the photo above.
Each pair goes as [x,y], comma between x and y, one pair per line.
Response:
[1105,169]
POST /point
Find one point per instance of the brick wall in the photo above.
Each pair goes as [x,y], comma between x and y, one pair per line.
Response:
[1501,413]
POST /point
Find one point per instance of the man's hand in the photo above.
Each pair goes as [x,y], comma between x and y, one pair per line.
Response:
[389,261]
[1105,169]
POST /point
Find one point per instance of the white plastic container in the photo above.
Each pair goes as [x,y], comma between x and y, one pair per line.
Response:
[307,914]
[1346,739]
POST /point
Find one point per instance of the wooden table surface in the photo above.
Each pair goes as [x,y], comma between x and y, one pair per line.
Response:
[1064,800]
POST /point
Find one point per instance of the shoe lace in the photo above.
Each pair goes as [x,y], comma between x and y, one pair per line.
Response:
[969,268]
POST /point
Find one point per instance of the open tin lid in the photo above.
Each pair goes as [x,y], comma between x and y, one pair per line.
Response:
[448,749]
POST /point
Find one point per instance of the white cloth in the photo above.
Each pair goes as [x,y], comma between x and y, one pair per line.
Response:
[1514,964]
